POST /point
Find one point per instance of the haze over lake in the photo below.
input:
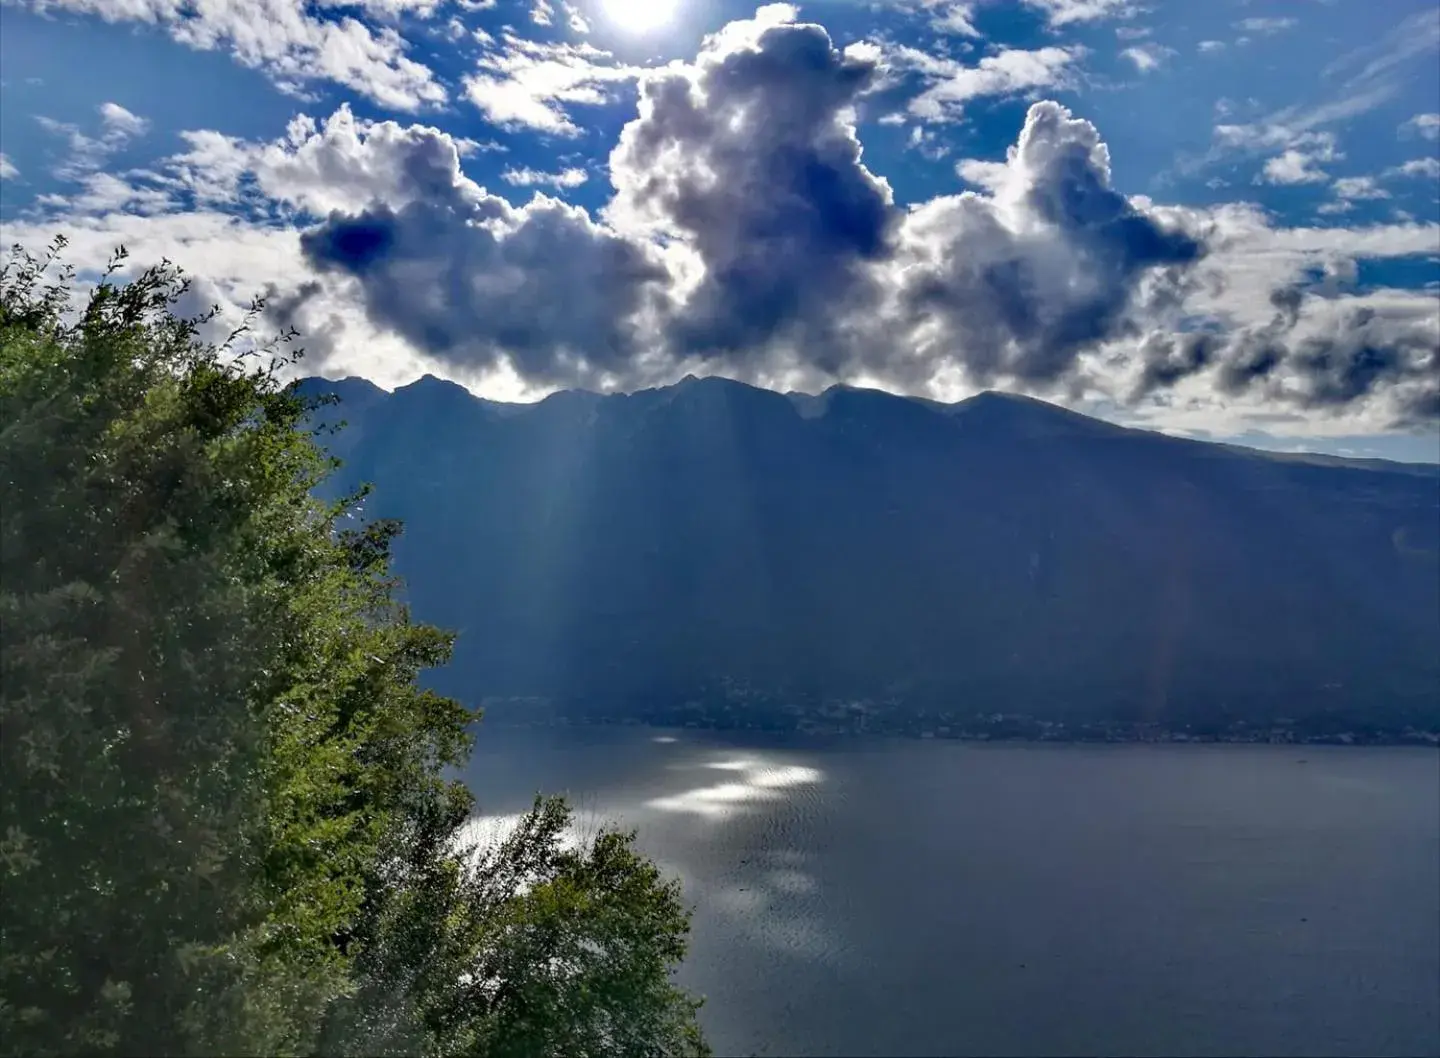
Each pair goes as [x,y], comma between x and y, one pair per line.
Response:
[871,896]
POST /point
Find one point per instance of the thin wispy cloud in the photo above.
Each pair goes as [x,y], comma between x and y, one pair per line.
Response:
[952,83]
[529,84]
[86,151]
[1265,26]
[565,178]
[1147,57]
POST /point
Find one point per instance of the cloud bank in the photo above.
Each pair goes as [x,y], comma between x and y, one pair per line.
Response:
[745,235]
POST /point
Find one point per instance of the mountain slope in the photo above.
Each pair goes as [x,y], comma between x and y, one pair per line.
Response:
[711,541]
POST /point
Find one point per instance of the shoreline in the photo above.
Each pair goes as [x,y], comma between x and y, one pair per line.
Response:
[1054,733]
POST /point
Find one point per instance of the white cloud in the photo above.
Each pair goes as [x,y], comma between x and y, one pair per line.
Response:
[1147,57]
[529,84]
[87,153]
[927,142]
[1297,164]
[108,193]
[1424,125]
[1210,47]
[747,237]
[954,18]
[388,9]
[118,119]
[316,167]
[1358,188]
[575,19]
[1377,78]
[287,42]
[7,168]
[1413,37]
[1428,168]
[1066,12]
[541,13]
[1010,71]
[1265,25]
[1293,167]
[565,178]
[989,175]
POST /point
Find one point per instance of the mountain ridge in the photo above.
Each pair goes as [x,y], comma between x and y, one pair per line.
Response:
[754,558]
[367,391]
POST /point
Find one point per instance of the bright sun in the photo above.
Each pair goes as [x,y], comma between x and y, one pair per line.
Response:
[637,16]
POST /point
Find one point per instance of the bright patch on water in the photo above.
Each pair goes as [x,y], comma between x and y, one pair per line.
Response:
[760,781]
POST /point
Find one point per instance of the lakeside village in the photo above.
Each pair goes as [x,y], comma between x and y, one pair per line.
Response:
[893,718]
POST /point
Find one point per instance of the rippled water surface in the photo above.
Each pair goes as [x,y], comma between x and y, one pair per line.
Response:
[914,898]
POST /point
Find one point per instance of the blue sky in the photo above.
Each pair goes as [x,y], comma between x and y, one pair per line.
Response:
[1220,219]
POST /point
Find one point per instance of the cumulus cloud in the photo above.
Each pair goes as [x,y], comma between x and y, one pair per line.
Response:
[1293,167]
[1276,316]
[1358,188]
[1299,163]
[1359,352]
[475,282]
[1425,168]
[746,236]
[1019,283]
[317,167]
[459,272]
[7,168]
[1426,126]
[749,158]
[289,41]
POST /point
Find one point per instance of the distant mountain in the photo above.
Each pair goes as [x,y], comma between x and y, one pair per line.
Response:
[767,555]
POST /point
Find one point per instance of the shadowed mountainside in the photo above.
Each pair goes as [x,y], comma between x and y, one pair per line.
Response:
[713,541]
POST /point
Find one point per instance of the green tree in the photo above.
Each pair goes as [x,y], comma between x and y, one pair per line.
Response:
[226,826]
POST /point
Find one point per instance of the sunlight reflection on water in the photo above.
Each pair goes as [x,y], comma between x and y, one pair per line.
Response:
[766,895]
[760,781]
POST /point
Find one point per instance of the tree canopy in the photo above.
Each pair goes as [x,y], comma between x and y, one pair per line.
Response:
[228,825]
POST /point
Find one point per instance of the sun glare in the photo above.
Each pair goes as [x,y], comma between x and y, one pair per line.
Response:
[637,16]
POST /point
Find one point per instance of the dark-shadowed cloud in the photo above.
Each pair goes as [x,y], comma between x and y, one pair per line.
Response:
[746,236]
[749,159]
[471,280]
[1019,282]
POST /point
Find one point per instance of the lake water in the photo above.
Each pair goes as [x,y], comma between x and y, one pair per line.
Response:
[890,897]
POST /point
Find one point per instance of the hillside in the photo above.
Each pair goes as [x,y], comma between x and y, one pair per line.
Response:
[766,557]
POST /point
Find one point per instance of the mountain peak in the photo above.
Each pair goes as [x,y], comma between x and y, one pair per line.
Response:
[1017,415]
[433,384]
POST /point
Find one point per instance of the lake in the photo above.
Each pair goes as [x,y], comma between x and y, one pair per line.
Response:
[894,897]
